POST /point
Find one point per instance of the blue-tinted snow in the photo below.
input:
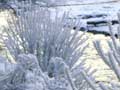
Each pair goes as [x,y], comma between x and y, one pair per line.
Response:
[90,7]
[111,9]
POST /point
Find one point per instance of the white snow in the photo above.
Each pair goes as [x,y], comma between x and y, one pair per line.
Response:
[110,9]
[96,7]
[104,29]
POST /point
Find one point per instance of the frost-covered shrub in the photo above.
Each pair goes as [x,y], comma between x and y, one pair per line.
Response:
[29,76]
[56,67]
[35,32]
[18,77]
[112,57]
[46,52]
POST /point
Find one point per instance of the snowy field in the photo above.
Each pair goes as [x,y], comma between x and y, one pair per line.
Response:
[91,7]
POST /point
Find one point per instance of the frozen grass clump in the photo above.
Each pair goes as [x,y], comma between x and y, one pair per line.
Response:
[46,53]
[34,32]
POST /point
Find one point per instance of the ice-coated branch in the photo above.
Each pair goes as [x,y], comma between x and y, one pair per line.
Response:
[89,81]
[34,31]
[112,57]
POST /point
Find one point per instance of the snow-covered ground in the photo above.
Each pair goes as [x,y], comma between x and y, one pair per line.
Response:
[105,29]
[91,7]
